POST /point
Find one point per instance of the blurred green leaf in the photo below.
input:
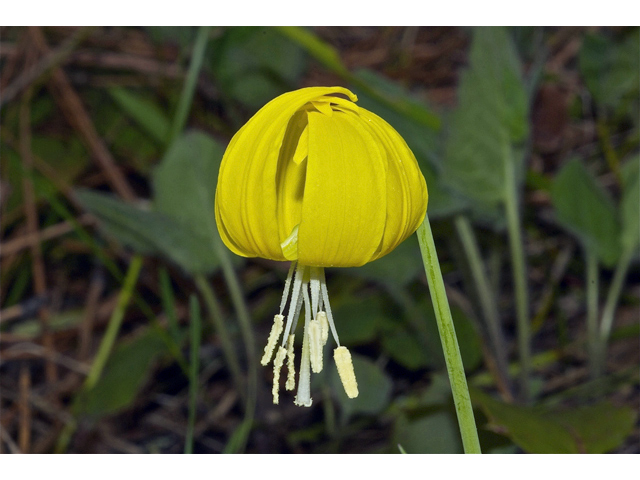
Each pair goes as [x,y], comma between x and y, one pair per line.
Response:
[405,348]
[611,69]
[362,317]
[399,267]
[144,111]
[469,342]
[150,232]
[630,204]
[435,433]
[124,375]
[184,182]
[490,123]
[374,387]
[254,65]
[590,429]
[583,208]
[443,201]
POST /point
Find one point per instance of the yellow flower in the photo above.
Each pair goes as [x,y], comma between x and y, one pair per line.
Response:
[314,179]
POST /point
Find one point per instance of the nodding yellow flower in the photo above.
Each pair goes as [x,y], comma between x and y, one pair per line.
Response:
[316,180]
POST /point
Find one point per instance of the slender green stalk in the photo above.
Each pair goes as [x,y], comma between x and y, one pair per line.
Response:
[609,310]
[195,329]
[486,297]
[189,87]
[455,367]
[592,309]
[518,266]
[223,333]
[115,322]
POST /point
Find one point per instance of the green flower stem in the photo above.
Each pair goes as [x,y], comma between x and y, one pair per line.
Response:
[189,87]
[592,309]
[455,368]
[518,265]
[223,333]
[485,294]
[115,322]
[195,326]
[610,307]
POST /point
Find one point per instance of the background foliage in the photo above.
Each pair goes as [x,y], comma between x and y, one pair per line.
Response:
[127,327]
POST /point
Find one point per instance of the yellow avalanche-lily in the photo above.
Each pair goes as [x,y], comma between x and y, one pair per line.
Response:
[314,179]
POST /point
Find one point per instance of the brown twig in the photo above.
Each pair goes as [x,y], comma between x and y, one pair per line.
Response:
[28,240]
[77,116]
[24,434]
[91,306]
[31,212]
[46,63]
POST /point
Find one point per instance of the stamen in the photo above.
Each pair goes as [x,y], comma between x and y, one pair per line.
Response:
[314,285]
[277,366]
[287,286]
[276,330]
[325,297]
[295,295]
[303,398]
[344,363]
[315,346]
[291,371]
[324,326]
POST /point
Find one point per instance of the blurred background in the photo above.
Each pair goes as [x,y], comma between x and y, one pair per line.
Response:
[126,327]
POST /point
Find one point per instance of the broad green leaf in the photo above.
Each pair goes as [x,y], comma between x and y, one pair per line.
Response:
[443,201]
[254,65]
[185,182]
[124,375]
[435,433]
[399,267]
[359,319]
[374,387]
[591,429]
[583,208]
[611,69]
[405,348]
[143,111]
[630,204]
[489,125]
[468,340]
[150,232]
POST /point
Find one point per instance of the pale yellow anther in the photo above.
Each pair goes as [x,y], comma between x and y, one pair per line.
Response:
[324,324]
[277,366]
[276,330]
[291,371]
[315,345]
[343,361]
